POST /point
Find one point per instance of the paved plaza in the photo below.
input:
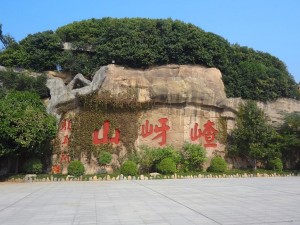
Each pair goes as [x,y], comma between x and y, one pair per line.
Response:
[182,202]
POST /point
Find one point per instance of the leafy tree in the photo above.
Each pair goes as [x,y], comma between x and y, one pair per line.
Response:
[33,165]
[104,158]
[218,165]
[22,82]
[149,158]
[39,52]
[166,166]
[76,168]
[165,152]
[142,43]
[6,39]
[290,138]
[275,164]
[192,157]
[78,62]
[146,159]
[253,138]
[25,127]
[129,168]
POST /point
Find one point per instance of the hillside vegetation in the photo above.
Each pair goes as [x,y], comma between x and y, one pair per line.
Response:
[143,43]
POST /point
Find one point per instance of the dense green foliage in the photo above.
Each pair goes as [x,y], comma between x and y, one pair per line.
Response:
[76,168]
[253,137]
[145,158]
[33,165]
[6,39]
[166,166]
[143,43]
[25,127]
[104,158]
[38,52]
[129,168]
[166,152]
[275,164]
[192,157]
[290,138]
[23,82]
[148,158]
[217,165]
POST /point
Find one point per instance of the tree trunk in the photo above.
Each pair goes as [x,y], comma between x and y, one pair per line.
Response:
[254,166]
[17,165]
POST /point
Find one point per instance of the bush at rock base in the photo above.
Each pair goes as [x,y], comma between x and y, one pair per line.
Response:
[33,166]
[193,157]
[104,158]
[218,165]
[76,168]
[275,164]
[167,166]
[129,168]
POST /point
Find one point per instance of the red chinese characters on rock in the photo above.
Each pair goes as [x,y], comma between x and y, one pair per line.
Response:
[147,129]
[64,158]
[65,127]
[56,169]
[208,133]
[101,136]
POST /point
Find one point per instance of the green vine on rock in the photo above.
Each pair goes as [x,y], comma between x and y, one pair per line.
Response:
[122,111]
[222,133]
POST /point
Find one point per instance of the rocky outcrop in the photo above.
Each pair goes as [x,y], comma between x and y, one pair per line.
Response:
[171,84]
[275,111]
[191,106]
[20,70]
[63,97]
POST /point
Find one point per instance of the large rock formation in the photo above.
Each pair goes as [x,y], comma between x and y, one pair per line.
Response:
[190,104]
[274,110]
[171,84]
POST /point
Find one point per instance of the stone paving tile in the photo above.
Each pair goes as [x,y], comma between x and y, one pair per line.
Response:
[250,201]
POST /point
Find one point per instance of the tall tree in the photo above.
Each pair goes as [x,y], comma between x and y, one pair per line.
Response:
[141,43]
[6,39]
[290,139]
[25,127]
[253,138]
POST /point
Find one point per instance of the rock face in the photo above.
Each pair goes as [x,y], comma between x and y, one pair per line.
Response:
[190,105]
[63,97]
[170,84]
[275,110]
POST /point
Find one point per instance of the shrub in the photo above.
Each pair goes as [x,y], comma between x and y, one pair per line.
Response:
[149,158]
[33,166]
[192,157]
[129,168]
[297,166]
[218,165]
[166,152]
[146,159]
[104,158]
[76,168]
[275,164]
[167,166]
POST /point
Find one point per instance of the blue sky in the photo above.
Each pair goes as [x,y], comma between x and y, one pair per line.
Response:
[266,25]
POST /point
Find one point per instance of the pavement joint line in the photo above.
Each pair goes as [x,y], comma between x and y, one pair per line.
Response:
[260,188]
[179,203]
[20,199]
[270,222]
